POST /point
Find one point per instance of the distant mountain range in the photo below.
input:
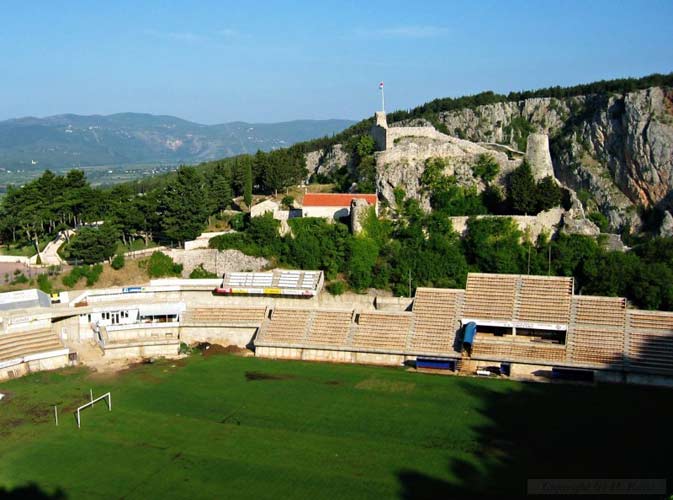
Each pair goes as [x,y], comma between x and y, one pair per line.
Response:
[70,141]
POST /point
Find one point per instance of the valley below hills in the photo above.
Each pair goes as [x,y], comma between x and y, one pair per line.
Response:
[125,146]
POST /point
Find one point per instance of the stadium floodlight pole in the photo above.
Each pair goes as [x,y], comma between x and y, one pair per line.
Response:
[383,98]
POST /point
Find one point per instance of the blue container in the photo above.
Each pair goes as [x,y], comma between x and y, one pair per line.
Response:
[436,363]
[469,332]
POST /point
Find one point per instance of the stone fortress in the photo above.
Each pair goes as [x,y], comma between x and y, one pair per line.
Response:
[403,151]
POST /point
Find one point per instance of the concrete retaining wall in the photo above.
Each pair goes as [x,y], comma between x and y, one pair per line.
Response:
[21,369]
[221,335]
[365,358]
[140,352]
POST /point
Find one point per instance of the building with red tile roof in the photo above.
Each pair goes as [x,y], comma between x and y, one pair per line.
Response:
[333,205]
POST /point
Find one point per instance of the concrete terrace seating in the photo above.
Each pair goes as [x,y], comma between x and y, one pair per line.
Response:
[597,332]
[518,349]
[286,326]
[225,316]
[329,328]
[382,331]
[16,345]
[490,296]
[436,314]
[651,341]
[604,311]
[594,345]
[543,299]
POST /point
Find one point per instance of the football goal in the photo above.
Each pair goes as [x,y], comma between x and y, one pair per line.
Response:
[108,399]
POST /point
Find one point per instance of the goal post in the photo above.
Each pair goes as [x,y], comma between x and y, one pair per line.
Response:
[108,399]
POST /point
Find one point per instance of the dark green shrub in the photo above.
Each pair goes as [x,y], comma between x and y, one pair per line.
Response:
[336,287]
[200,273]
[118,261]
[600,220]
[19,279]
[161,265]
[91,273]
[44,284]
[486,168]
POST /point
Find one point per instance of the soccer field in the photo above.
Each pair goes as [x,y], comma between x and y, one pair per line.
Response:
[233,427]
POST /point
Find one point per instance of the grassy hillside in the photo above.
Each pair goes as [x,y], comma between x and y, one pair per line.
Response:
[232,427]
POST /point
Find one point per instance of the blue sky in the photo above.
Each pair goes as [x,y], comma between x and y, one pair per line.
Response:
[217,61]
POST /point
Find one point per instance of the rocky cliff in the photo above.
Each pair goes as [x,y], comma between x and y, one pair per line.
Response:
[617,149]
[614,150]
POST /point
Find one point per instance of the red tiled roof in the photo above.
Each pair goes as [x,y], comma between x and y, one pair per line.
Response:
[335,199]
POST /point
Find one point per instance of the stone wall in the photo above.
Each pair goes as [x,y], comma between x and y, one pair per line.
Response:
[216,261]
[533,224]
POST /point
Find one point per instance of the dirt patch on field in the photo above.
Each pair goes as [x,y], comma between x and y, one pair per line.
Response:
[373,384]
[6,426]
[207,350]
[255,376]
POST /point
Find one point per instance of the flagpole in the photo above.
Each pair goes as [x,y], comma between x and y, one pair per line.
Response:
[383,101]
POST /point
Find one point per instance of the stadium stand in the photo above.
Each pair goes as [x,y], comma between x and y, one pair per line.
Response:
[520,349]
[596,334]
[286,326]
[650,341]
[384,331]
[278,282]
[225,316]
[18,345]
[437,319]
[543,299]
[490,296]
[329,328]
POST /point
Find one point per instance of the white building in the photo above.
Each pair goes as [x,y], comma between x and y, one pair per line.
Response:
[334,205]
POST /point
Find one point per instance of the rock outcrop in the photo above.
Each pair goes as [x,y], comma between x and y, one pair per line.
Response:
[617,148]
[666,228]
[327,161]
[404,163]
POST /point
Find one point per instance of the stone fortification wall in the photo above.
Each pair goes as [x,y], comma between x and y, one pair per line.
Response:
[533,225]
[215,261]
[396,133]
[404,164]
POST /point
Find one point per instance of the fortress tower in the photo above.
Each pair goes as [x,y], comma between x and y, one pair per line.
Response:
[379,131]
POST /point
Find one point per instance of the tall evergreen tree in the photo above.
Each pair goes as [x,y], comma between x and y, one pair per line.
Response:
[183,207]
[522,190]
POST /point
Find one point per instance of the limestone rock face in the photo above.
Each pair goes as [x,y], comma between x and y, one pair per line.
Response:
[666,229]
[618,148]
[583,227]
[327,161]
[404,164]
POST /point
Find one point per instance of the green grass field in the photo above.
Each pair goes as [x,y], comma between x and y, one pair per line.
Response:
[233,427]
